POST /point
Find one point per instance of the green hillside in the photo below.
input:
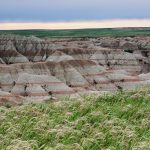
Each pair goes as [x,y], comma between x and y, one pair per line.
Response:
[119,121]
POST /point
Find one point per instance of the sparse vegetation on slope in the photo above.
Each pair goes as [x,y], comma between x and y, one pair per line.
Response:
[120,121]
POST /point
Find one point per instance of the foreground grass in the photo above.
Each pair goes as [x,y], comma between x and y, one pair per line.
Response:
[108,32]
[120,121]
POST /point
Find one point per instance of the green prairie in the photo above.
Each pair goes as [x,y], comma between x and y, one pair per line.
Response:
[107,32]
[118,121]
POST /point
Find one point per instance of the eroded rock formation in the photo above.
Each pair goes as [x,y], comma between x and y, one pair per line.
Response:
[38,69]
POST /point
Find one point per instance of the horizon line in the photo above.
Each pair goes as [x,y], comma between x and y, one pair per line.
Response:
[111,23]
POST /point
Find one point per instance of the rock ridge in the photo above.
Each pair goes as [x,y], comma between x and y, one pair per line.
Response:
[37,69]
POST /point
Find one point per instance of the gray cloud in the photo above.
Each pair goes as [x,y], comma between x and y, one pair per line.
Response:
[56,10]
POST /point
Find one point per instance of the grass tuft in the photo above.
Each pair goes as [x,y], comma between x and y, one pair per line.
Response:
[119,121]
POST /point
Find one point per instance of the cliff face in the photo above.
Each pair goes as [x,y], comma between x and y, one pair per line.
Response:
[37,69]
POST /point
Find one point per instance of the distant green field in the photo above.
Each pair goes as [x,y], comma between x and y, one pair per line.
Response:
[82,32]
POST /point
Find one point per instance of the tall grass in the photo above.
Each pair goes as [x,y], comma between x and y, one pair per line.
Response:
[119,121]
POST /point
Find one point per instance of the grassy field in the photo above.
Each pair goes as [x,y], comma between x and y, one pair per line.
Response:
[120,121]
[82,32]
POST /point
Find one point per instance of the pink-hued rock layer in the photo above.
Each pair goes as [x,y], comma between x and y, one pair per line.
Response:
[38,69]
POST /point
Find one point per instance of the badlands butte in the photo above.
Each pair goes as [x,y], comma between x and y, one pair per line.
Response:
[37,69]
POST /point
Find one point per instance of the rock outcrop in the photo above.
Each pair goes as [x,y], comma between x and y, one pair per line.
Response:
[38,69]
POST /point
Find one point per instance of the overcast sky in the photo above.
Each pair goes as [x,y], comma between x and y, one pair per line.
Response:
[73,10]
[62,14]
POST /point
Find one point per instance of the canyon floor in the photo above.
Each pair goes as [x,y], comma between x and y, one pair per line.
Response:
[38,69]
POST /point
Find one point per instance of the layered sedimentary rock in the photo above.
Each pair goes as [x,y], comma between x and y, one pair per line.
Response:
[38,69]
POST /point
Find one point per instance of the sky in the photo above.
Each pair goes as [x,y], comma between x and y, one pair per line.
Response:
[50,12]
